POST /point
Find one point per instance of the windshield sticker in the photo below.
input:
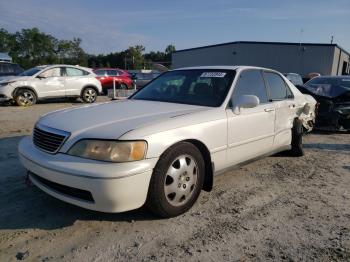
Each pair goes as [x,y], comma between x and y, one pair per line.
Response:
[213,74]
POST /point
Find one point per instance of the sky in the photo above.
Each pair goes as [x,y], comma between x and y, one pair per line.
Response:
[108,26]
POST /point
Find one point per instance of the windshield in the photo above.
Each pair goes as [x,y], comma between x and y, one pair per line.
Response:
[204,87]
[328,86]
[30,72]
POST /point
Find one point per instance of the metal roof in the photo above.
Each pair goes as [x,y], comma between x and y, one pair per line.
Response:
[266,43]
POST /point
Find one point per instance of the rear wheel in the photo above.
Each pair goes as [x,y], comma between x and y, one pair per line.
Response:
[25,97]
[176,181]
[89,95]
[297,139]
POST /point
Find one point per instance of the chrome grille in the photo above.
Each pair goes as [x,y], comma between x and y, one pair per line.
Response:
[49,139]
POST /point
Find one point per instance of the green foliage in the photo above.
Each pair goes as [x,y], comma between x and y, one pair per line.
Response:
[31,47]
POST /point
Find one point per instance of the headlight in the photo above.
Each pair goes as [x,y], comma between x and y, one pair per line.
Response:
[113,151]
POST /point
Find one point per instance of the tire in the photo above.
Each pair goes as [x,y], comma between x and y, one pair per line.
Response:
[173,191]
[25,97]
[297,139]
[89,95]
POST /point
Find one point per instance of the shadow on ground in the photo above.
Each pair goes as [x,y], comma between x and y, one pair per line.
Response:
[23,207]
[332,147]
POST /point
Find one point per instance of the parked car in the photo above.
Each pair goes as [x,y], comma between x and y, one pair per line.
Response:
[51,81]
[142,78]
[333,96]
[107,75]
[162,146]
[296,79]
[8,69]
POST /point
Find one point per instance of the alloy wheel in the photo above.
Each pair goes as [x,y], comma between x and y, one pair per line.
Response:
[26,98]
[90,95]
[181,180]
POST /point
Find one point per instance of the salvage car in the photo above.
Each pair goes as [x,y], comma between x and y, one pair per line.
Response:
[163,145]
[333,96]
[51,81]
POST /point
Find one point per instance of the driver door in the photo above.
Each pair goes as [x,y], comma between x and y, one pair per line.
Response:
[50,83]
[250,130]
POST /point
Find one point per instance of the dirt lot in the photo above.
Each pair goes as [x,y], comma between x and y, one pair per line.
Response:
[277,208]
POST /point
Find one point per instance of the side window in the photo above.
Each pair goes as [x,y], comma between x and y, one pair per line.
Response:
[277,86]
[112,73]
[53,72]
[250,82]
[70,71]
[100,72]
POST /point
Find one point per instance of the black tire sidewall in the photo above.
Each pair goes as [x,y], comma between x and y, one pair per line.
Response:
[157,201]
[297,138]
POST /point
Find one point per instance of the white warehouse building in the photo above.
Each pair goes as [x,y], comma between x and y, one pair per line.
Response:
[301,58]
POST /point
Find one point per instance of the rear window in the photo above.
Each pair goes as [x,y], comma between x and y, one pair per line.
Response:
[70,71]
[277,86]
[328,86]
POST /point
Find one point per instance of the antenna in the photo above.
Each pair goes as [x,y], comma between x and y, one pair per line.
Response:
[301,35]
[332,38]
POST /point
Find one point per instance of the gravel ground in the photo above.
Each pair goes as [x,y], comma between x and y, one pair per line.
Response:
[277,208]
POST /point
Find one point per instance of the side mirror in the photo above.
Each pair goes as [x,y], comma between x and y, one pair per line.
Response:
[40,77]
[245,101]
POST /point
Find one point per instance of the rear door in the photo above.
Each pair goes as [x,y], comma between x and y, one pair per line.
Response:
[283,101]
[251,132]
[75,79]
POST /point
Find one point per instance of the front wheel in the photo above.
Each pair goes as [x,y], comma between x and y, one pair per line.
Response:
[25,97]
[176,181]
[89,95]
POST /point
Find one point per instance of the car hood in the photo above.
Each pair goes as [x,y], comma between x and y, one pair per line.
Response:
[113,119]
[14,78]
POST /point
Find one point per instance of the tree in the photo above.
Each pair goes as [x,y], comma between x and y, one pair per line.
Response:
[134,57]
[168,51]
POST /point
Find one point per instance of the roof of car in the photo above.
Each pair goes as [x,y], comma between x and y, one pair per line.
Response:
[107,68]
[344,76]
[225,67]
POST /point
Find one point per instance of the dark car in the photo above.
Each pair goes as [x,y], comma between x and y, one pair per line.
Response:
[143,78]
[8,69]
[333,96]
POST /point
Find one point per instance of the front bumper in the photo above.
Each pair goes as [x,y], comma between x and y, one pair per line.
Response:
[114,187]
[6,93]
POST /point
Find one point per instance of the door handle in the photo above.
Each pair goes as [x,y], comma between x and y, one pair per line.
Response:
[292,106]
[269,109]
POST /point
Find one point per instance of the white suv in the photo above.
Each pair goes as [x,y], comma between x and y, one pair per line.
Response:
[52,81]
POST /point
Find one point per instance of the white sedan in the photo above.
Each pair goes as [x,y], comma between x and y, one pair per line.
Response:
[164,144]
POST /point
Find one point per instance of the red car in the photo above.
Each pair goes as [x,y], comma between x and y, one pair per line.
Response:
[107,75]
